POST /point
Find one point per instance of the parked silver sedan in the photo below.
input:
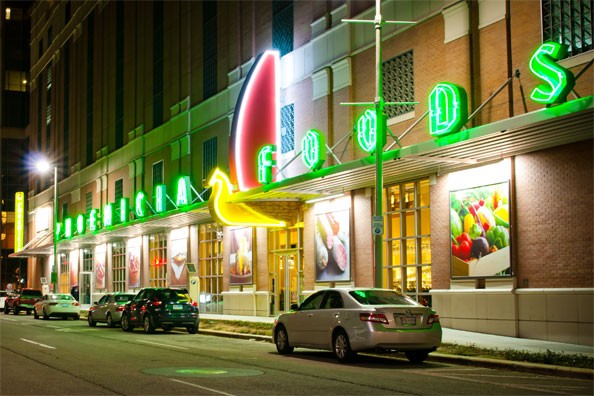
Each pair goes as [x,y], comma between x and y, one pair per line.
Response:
[109,309]
[347,321]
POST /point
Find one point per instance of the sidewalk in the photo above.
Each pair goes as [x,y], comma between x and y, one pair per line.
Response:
[460,337]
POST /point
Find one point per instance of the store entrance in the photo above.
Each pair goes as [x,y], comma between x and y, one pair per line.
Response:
[284,287]
[85,289]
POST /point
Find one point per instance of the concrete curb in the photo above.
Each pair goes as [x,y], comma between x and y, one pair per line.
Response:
[534,368]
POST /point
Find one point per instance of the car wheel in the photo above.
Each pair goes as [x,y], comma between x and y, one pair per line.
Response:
[28,312]
[342,347]
[6,310]
[45,315]
[35,316]
[192,329]
[16,311]
[110,322]
[281,340]
[125,323]
[416,356]
[76,317]
[91,321]
[148,325]
[167,328]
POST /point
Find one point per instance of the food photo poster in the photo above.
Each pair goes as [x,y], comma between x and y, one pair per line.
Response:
[240,258]
[480,231]
[332,246]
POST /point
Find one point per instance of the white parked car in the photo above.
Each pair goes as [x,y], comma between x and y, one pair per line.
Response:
[57,304]
[3,295]
[347,321]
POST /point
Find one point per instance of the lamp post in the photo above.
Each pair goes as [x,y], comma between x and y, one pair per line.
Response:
[44,167]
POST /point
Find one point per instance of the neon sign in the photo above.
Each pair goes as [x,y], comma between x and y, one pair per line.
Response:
[265,164]
[19,221]
[559,81]
[448,109]
[313,148]
[367,131]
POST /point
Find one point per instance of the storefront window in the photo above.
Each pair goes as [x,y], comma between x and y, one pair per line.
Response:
[211,268]
[408,239]
[87,260]
[64,273]
[158,260]
[118,265]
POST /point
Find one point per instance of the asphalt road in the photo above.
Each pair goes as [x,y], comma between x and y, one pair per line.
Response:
[66,357]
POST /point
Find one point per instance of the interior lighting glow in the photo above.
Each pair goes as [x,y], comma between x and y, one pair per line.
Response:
[19,221]
[558,80]
[234,214]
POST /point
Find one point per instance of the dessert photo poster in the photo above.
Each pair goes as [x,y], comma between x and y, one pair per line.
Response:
[178,270]
[240,258]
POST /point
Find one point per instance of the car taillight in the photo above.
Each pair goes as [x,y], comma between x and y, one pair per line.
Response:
[75,303]
[91,309]
[195,304]
[120,308]
[157,303]
[433,318]
[373,317]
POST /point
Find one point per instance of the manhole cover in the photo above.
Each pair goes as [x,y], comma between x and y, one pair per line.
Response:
[202,372]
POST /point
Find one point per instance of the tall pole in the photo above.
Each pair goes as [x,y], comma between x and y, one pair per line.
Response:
[379,144]
[55,264]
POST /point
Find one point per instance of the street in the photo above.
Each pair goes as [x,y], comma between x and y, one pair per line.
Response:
[67,357]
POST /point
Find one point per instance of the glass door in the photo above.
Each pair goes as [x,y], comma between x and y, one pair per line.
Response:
[86,289]
[285,285]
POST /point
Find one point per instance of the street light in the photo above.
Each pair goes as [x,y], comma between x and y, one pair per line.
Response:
[43,166]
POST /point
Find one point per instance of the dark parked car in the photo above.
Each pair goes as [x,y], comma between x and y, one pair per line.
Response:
[109,309]
[161,307]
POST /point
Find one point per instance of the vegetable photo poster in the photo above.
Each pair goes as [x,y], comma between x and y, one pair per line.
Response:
[480,231]
[332,246]
[240,259]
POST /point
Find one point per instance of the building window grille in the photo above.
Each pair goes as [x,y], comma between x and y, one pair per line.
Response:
[119,190]
[209,160]
[157,173]
[282,26]
[568,22]
[158,260]
[399,83]
[88,202]
[287,128]
[118,263]
[408,239]
[211,268]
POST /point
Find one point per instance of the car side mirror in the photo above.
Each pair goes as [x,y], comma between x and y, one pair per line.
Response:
[294,307]
[95,303]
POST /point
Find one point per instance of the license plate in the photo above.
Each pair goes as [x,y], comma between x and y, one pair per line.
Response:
[64,305]
[408,320]
[176,307]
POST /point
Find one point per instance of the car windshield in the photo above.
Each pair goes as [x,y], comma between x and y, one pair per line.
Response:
[124,297]
[381,297]
[61,297]
[174,295]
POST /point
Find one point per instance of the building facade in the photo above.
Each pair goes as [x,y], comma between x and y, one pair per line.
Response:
[190,155]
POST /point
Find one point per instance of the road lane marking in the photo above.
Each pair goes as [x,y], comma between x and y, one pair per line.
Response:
[165,345]
[37,343]
[202,387]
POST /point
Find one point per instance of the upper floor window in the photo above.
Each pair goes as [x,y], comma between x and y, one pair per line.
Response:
[399,83]
[158,173]
[568,22]
[287,128]
[15,81]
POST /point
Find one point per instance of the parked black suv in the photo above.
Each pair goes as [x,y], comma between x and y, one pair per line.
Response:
[163,307]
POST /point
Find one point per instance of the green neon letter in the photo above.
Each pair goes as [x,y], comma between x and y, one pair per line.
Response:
[448,109]
[559,81]
[68,228]
[367,131]
[265,163]
[124,209]
[93,219]
[184,192]
[313,147]
[160,198]
[59,231]
[108,215]
[81,224]
[140,204]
